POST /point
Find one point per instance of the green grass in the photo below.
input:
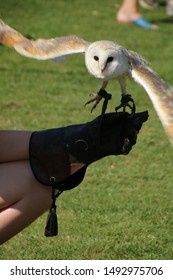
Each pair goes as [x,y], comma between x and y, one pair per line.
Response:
[124,207]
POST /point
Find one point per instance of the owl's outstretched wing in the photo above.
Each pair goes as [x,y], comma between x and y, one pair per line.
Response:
[41,49]
[135,58]
[160,93]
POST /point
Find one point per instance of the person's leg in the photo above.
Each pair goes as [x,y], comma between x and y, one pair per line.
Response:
[22,198]
[14,145]
[169,7]
[148,4]
[129,13]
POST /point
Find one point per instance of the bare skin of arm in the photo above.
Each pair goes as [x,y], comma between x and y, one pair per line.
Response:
[22,198]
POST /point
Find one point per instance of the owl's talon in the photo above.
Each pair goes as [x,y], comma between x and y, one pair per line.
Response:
[95,99]
[125,102]
[98,97]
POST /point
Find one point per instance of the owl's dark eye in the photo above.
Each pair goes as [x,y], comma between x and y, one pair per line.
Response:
[110,59]
[96,58]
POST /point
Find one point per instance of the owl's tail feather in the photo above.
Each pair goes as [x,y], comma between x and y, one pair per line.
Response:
[160,93]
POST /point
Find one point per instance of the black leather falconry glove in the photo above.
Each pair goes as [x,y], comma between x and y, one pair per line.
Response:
[59,157]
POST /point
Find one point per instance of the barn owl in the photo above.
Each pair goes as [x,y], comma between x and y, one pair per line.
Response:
[105,60]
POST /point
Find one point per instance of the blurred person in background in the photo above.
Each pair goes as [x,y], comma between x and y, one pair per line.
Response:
[152,4]
[129,14]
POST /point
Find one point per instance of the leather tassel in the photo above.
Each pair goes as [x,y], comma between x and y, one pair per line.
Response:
[51,228]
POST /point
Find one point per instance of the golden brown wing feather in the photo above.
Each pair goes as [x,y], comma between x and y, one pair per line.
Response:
[42,48]
[51,48]
[160,93]
[134,58]
[9,36]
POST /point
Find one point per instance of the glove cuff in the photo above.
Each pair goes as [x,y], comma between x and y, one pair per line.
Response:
[51,163]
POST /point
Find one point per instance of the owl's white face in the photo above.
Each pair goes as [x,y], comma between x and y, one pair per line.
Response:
[104,60]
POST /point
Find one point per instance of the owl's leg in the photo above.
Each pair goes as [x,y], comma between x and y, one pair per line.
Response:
[102,93]
[126,99]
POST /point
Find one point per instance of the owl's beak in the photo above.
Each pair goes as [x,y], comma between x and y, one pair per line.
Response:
[103,66]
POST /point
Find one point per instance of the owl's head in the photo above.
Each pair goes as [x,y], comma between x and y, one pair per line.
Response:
[102,59]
